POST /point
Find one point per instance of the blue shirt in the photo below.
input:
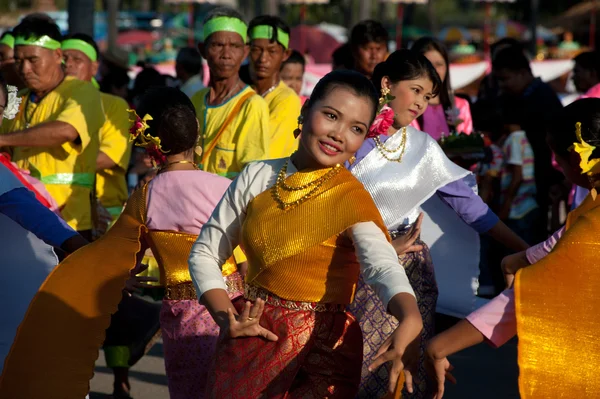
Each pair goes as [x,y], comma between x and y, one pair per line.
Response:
[23,208]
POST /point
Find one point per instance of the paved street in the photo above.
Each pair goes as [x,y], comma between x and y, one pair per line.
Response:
[482,372]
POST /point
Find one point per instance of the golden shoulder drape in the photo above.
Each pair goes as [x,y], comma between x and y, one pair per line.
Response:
[558,313]
[64,326]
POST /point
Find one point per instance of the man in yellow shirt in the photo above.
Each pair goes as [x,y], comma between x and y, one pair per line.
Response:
[81,61]
[269,41]
[55,133]
[234,120]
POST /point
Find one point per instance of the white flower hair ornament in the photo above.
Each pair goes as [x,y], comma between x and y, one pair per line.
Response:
[12,103]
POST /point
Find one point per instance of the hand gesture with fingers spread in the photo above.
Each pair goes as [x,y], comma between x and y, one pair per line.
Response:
[402,347]
[439,371]
[135,284]
[406,243]
[247,323]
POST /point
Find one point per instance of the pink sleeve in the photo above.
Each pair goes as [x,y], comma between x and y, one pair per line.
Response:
[496,320]
[464,114]
[537,252]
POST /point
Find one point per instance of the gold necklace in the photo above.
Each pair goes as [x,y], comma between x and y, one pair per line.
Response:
[164,167]
[281,186]
[385,151]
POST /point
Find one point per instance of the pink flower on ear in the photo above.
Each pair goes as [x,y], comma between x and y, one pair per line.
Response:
[383,121]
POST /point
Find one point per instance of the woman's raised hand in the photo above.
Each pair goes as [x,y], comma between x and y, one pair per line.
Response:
[247,324]
[406,243]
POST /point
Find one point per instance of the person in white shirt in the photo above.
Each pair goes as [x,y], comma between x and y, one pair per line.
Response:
[308,228]
[188,67]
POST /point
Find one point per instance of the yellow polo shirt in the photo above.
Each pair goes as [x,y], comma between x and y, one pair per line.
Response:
[284,109]
[68,171]
[244,140]
[111,185]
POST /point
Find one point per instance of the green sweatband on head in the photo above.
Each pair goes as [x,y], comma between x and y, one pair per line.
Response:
[80,45]
[8,40]
[225,24]
[42,41]
[266,32]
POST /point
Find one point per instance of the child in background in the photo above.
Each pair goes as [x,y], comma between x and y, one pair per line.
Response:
[518,206]
[292,73]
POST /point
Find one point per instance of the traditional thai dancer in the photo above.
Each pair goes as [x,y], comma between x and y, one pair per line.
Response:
[554,307]
[407,173]
[73,306]
[308,228]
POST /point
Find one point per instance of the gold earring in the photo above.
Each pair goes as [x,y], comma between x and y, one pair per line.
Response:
[593,190]
[385,91]
[298,130]
[352,160]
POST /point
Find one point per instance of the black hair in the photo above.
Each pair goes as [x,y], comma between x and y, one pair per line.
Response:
[504,43]
[190,60]
[222,11]
[348,79]
[6,33]
[147,78]
[116,77]
[562,131]
[406,65]
[342,57]
[424,45]
[366,32]
[37,25]
[173,118]
[295,58]
[590,61]
[272,21]
[86,38]
[511,58]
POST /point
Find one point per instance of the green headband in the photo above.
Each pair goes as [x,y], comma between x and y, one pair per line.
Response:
[266,32]
[42,41]
[9,40]
[80,45]
[225,24]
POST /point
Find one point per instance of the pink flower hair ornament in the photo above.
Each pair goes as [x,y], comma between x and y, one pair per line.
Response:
[385,115]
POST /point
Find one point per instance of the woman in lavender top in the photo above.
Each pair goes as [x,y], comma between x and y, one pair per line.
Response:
[407,173]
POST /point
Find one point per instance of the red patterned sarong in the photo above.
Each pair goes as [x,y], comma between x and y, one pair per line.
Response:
[318,355]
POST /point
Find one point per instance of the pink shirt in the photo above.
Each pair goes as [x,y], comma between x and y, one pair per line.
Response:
[594,92]
[183,200]
[497,320]
[435,119]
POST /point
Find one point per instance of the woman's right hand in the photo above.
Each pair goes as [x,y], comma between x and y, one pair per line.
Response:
[406,243]
[247,324]
[511,265]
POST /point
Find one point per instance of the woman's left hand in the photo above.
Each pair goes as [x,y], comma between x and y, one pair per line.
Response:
[406,243]
[403,348]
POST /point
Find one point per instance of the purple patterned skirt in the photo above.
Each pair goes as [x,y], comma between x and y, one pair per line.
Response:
[377,324]
[189,340]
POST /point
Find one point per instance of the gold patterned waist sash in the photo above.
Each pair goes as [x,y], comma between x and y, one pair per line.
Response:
[252,293]
[187,291]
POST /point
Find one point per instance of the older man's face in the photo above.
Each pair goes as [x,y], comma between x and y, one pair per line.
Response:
[37,66]
[224,53]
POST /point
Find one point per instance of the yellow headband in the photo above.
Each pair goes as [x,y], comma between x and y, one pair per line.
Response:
[588,166]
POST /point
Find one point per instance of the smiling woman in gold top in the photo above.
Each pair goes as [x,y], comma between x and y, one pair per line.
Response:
[308,227]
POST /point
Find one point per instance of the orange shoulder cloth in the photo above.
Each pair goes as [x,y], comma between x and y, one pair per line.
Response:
[558,313]
[300,253]
[57,343]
